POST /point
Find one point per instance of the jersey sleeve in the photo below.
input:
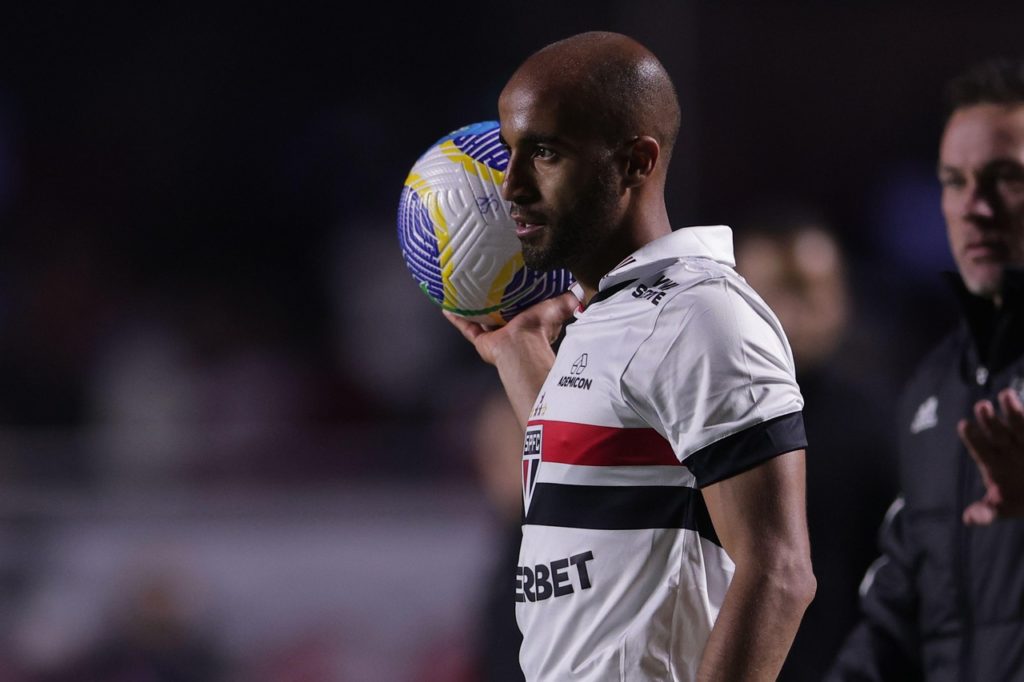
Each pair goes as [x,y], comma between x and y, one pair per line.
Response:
[715,378]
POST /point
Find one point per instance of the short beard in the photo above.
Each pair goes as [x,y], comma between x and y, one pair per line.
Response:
[987,289]
[559,251]
[581,229]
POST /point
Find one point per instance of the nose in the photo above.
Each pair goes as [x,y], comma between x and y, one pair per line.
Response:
[517,186]
[981,202]
[979,206]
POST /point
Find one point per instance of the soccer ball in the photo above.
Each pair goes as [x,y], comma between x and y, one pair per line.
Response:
[457,237]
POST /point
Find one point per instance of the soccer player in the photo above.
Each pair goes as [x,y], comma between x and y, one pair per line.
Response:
[946,599]
[664,532]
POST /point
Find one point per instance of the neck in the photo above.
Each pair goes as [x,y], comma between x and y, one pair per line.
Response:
[643,227]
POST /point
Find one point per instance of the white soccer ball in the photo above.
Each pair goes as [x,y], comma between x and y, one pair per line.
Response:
[457,237]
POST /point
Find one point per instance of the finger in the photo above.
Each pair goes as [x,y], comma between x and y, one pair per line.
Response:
[467,328]
[550,315]
[969,436]
[978,447]
[980,513]
[995,427]
[986,419]
[1013,411]
[984,411]
[564,305]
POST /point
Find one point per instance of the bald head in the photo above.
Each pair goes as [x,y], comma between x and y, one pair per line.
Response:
[618,87]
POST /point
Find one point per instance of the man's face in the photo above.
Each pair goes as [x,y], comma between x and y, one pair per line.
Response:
[800,276]
[561,181]
[981,168]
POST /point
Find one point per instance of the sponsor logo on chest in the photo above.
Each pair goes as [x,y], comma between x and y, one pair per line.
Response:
[575,378]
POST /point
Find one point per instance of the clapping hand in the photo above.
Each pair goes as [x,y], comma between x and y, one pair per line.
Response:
[995,440]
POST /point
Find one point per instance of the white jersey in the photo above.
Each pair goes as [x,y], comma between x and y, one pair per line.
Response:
[675,376]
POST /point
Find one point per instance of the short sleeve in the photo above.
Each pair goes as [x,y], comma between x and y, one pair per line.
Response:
[715,378]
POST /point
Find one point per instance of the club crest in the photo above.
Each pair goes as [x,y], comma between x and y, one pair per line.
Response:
[532,446]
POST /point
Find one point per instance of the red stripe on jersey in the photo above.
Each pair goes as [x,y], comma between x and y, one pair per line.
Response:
[571,443]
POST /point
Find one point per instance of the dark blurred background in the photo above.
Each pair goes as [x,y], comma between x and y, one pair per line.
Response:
[231,430]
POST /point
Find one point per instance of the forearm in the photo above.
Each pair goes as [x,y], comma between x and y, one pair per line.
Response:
[757,623]
[522,367]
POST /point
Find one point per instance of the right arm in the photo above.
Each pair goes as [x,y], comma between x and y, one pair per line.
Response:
[521,350]
[760,517]
[884,645]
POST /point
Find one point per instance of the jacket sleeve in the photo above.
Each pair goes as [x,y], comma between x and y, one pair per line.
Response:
[884,645]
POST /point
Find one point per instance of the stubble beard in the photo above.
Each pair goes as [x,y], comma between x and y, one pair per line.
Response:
[578,232]
[563,243]
[985,285]
[985,280]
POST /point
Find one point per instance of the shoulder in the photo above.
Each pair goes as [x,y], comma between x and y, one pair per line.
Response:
[713,296]
[707,316]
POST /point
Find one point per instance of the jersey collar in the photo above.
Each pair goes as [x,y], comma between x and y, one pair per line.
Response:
[708,241]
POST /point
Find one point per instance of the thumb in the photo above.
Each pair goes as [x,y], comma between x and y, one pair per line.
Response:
[980,513]
[557,310]
[567,303]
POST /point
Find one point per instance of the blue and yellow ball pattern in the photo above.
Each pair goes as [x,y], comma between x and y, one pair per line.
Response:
[457,237]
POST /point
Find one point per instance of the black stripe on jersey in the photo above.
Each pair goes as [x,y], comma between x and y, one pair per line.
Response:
[610,291]
[609,507]
[748,448]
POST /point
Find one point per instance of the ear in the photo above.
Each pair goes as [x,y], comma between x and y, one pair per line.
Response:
[641,160]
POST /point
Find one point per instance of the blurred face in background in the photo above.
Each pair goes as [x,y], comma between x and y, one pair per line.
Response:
[981,169]
[800,276]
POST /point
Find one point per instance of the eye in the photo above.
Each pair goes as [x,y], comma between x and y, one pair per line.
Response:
[1010,174]
[543,153]
[951,181]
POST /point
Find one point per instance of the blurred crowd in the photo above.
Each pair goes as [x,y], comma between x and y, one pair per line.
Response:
[236,443]
[208,391]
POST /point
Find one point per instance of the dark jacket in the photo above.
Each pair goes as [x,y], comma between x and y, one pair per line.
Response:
[946,601]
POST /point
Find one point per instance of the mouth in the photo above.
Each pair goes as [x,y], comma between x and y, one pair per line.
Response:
[528,226]
[986,251]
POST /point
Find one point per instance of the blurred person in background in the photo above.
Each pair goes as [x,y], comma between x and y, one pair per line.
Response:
[151,637]
[789,255]
[497,456]
[944,600]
